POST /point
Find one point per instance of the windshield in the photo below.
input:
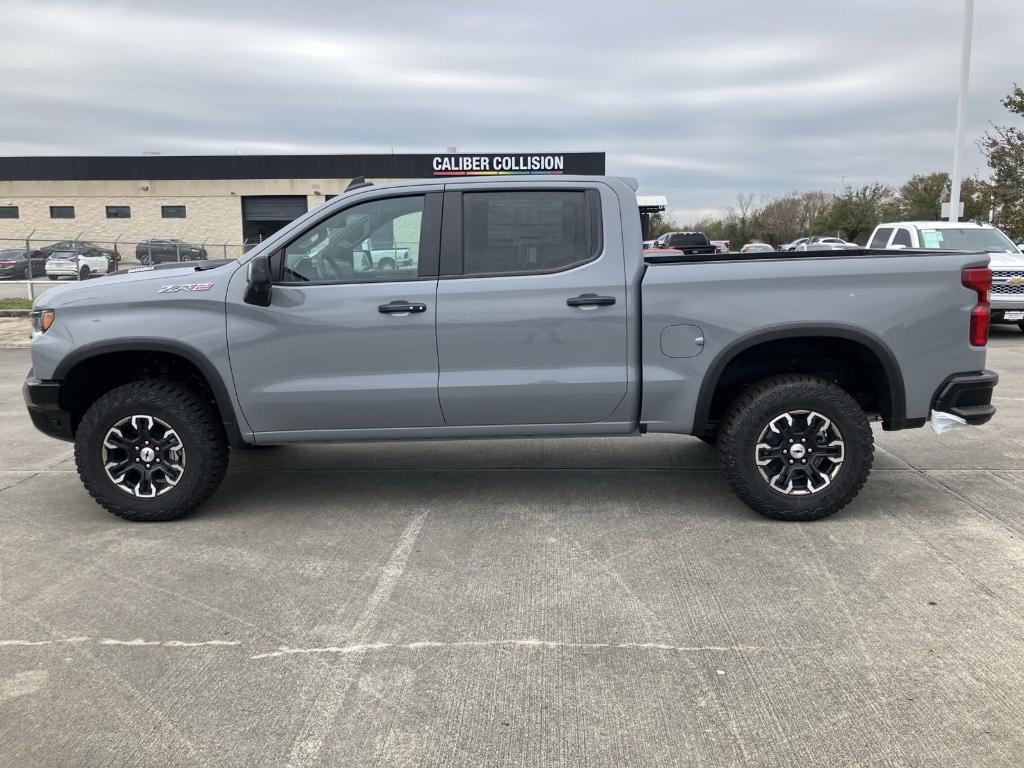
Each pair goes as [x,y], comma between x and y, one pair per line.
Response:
[990,240]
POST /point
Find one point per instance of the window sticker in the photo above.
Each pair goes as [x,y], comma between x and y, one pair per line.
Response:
[931,238]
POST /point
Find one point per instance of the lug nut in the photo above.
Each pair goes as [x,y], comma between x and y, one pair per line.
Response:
[802,461]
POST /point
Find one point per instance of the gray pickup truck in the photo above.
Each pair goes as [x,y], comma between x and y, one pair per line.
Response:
[526,309]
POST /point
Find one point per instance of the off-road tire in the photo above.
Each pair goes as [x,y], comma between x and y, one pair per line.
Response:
[759,404]
[196,423]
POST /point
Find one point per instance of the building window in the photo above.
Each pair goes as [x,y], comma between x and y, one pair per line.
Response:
[8,211]
[62,211]
[119,212]
[172,211]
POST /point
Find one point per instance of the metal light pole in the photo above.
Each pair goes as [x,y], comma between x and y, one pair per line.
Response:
[961,115]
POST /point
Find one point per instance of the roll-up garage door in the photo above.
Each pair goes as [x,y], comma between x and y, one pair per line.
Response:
[277,208]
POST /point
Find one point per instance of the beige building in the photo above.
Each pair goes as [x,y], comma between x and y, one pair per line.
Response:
[220,201]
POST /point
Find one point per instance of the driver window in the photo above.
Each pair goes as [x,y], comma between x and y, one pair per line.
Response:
[371,242]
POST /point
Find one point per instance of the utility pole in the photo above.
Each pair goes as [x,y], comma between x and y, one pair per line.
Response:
[961,115]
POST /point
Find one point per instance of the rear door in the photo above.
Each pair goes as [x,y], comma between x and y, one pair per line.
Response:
[531,318]
[343,345]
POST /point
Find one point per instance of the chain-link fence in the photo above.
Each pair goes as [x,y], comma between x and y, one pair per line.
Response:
[39,258]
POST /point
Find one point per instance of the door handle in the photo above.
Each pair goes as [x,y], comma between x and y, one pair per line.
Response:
[590,300]
[401,306]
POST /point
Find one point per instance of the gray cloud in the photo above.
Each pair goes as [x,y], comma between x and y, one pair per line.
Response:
[700,101]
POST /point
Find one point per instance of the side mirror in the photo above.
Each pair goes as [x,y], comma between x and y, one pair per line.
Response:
[1020,246]
[260,281]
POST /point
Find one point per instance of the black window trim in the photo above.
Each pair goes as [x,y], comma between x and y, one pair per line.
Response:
[430,237]
[67,207]
[163,212]
[126,208]
[452,257]
[16,210]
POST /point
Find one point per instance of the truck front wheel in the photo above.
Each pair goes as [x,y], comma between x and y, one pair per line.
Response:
[796,447]
[151,450]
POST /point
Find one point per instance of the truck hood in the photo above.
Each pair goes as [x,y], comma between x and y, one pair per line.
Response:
[72,292]
[1004,260]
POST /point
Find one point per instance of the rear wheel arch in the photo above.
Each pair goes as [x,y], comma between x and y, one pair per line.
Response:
[94,369]
[736,367]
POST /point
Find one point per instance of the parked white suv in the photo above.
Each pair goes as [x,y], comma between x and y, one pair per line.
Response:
[82,263]
[1007,261]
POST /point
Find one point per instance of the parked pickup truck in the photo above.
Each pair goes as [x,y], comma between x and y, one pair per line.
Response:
[1007,261]
[532,312]
[693,243]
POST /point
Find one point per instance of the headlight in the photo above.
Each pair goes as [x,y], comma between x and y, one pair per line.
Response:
[42,319]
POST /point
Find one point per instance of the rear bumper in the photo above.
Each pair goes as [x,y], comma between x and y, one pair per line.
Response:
[968,395]
[42,398]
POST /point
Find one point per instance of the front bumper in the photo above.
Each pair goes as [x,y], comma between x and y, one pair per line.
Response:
[1002,301]
[968,395]
[42,398]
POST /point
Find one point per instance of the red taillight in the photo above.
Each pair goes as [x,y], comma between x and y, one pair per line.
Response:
[7,263]
[979,280]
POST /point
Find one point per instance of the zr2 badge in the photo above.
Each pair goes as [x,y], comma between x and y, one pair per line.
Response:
[185,287]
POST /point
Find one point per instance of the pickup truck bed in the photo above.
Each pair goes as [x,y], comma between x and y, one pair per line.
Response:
[529,310]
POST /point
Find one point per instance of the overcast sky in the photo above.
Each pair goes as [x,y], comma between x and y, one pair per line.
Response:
[701,101]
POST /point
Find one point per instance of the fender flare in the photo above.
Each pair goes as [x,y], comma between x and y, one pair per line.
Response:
[145,344]
[894,376]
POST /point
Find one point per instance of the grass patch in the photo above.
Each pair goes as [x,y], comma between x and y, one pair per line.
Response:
[15,304]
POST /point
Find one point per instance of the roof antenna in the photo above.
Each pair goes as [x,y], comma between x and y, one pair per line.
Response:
[357,182]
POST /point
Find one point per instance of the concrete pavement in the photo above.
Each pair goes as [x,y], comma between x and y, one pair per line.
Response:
[600,602]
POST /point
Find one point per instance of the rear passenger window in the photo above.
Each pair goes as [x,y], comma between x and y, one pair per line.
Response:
[881,238]
[528,230]
[902,238]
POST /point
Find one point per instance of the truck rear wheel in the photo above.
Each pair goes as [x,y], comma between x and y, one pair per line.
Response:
[151,450]
[796,447]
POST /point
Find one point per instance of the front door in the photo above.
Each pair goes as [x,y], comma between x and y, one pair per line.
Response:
[345,343]
[531,322]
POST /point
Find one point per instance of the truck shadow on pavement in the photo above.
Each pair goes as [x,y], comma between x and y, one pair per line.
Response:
[656,475]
